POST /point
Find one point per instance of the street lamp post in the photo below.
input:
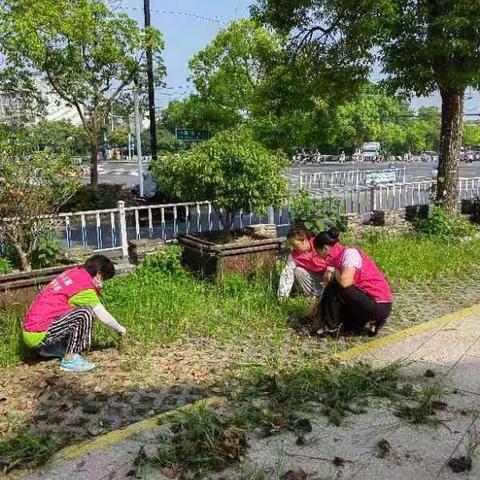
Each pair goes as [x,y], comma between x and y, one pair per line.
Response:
[151,85]
[138,133]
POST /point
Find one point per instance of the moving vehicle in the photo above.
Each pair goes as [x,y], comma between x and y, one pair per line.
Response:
[429,156]
[370,150]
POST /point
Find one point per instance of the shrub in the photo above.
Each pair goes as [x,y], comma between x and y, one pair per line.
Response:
[440,224]
[231,170]
[33,186]
[46,247]
[98,197]
[316,214]
[169,261]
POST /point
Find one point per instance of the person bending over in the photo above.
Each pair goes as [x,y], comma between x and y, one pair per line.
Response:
[59,322]
[357,293]
[303,265]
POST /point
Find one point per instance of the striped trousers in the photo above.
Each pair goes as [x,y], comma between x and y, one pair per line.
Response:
[72,330]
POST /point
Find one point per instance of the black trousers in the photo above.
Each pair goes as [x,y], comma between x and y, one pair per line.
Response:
[351,308]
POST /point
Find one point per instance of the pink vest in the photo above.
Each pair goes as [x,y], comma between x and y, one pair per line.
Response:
[368,278]
[53,301]
[310,261]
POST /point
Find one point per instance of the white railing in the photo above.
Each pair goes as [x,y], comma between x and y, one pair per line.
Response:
[366,199]
[111,229]
[469,187]
[347,178]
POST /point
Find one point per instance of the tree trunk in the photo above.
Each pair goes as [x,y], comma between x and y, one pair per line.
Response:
[94,162]
[226,219]
[22,256]
[449,150]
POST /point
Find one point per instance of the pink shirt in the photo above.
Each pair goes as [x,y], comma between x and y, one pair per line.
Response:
[368,278]
[53,301]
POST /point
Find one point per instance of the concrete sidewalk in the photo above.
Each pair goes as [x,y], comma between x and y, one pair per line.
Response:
[448,347]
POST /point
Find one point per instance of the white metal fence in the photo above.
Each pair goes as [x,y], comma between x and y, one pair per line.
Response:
[391,196]
[112,228]
[349,178]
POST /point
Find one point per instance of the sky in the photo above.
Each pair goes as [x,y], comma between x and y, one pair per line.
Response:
[189,25]
[185,34]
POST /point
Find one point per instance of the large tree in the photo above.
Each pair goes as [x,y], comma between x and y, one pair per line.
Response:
[88,54]
[421,46]
[243,76]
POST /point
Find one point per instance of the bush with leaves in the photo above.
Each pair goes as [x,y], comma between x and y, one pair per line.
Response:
[231,170]
[33,186]
[5,265]
[98,197]
[440,224]
[45,249]
[316,214]
[168,262]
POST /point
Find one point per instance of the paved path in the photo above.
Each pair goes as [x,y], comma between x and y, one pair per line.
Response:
[449,346]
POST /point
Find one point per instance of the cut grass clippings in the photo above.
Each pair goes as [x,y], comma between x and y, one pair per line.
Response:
[202,440]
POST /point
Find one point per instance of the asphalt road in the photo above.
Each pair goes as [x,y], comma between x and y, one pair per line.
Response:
[127,173]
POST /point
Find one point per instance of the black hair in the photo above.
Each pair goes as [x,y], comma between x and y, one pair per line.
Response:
[328,237]
[300,233]
[100,264]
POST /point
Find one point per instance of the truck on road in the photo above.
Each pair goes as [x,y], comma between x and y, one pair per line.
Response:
[370,150]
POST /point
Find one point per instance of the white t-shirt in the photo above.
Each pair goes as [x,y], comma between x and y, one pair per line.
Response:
[352,258]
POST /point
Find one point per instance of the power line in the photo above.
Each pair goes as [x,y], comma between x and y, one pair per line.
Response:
[216,20]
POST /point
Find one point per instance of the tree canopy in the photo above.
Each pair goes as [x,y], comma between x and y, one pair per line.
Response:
[232,170]
[87,53]
[419,46]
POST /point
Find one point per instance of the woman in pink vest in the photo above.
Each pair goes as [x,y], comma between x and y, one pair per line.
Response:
[303,265]
[357,293]
[59,323]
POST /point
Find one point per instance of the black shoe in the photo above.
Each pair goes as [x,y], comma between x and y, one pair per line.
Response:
[379,325]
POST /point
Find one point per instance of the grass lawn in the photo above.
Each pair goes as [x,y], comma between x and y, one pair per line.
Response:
[161,302]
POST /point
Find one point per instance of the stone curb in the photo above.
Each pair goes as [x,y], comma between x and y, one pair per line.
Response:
[75,451]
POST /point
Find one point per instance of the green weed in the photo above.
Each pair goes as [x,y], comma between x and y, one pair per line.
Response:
[201,441]
[12,347]
[420,407]
[25,449]
[442,226]
[5,265]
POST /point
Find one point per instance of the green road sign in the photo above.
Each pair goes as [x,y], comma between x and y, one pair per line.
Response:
[191,135]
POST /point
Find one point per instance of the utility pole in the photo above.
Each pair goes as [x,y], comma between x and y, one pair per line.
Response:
[138,133]
[151,85]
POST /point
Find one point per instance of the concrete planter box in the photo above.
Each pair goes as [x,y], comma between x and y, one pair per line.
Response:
[139,250]
[203,256]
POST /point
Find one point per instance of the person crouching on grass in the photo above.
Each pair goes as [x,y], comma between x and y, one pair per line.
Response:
[304,265]
[357,294]
[59,323]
